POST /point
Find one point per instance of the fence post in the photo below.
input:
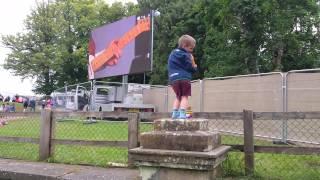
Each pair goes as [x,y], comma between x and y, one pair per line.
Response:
[201,95]
[284,106]
[248,142]
[133,133]
[166,100]
[45,134]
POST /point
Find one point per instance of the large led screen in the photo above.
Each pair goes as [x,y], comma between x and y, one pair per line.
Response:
[120,48]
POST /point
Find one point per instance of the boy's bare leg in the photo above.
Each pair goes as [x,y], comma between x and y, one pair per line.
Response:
[176,104]
[175,110]
[184,104]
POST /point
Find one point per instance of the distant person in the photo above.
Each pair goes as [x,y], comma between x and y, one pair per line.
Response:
[32,105]
[181,65]
[12,107]
[7,99]
[43,103]
[25,104]
[49,103]
[19,99]
[7,107]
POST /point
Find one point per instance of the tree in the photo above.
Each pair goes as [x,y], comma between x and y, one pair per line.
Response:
[177,18]
[53,50]
[32,53]
[233,37]
[292,41]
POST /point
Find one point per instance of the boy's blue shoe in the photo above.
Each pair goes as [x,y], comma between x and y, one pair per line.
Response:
[182,114]
[175,114]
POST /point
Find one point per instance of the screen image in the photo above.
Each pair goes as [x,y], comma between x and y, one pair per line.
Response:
[120,48]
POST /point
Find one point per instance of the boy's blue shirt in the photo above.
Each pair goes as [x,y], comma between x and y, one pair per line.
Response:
[180,65]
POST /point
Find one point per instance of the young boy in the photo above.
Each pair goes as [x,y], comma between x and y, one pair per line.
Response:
[181,65]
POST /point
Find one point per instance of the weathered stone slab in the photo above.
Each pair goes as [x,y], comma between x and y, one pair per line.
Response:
[179,159]
[202,141]
[179,149]
[181,125]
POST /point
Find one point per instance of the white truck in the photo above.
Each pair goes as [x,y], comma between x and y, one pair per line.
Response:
[104,98]
[119,98]
[76,99]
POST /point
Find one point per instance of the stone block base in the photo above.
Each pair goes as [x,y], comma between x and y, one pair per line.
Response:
[201,141]
[181,125]
[201,161]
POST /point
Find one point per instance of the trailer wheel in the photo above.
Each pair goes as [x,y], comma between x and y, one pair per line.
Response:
[85,107]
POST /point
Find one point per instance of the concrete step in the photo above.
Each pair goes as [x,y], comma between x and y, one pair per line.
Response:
[179,159]
[202,141]
[181,125]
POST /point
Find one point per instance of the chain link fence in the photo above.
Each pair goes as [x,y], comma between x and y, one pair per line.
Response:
[19,134]
[81,138]
[284,160]
[301,132]
[274,159]
[98,141]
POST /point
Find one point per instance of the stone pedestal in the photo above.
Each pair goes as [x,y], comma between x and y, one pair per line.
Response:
[179,150]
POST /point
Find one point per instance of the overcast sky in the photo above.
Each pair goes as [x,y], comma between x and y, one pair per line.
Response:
[12,15]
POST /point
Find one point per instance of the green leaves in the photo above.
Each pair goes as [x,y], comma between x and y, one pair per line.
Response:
[54,48]
[233,37]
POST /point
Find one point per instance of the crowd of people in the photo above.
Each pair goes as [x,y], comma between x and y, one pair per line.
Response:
[4,99]
[7,104]
[29,103]
[7,107]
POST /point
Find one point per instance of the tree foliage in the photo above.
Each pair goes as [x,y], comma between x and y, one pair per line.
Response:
[233,37]
[53,49]
[239,36]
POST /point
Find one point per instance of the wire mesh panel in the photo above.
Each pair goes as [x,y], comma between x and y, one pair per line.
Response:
[146,126]
[287,158]
[87,140]
[298,130]
[304,131]
[19,135]
[274,158]
[268,129]
[226,123]
[230,128]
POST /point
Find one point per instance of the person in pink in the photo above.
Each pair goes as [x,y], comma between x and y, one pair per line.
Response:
[48,105]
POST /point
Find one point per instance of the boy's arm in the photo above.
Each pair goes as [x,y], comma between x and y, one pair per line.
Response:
[190,63]
[193,61]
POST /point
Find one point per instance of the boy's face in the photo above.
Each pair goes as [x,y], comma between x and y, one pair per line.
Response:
[189,47]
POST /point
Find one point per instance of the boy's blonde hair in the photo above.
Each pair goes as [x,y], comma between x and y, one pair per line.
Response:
[186,40]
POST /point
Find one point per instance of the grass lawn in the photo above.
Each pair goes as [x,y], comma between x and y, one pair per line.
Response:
[274,166]
[267,166]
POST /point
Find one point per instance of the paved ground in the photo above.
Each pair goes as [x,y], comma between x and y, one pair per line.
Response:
[26,170]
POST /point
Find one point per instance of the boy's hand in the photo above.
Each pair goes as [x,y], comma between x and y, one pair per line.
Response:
[193,61]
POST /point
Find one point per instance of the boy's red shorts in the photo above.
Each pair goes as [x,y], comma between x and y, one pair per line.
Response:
[181,88]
